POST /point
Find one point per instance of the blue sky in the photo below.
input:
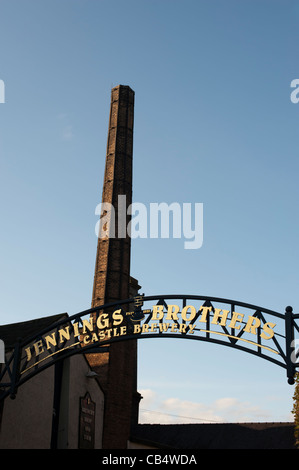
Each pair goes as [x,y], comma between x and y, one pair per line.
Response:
[214,124]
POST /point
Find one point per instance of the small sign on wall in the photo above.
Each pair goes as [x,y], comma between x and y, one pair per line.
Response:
[87,422]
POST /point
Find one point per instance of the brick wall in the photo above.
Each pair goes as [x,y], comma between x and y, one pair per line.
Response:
[118,368]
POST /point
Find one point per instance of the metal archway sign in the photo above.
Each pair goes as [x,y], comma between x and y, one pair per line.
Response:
[262,332]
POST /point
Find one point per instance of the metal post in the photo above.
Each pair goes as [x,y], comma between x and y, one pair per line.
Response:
[289,336]
[16,370]
[58,372]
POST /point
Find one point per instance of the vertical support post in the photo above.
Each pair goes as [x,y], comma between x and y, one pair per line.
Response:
[15,370]
[58,372]
[289,337]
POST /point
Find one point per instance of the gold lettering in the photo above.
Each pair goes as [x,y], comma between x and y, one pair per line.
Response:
[183,328]
[123,330]
[87,324]
[51,339]
[117,317]
[103,321]
[237,317]
[174,327]
[191,328]
[163,327]
[252,324]
[145,328]
[64,334]
[154,326]
[109,332]
[223,316]
[94,338]
[76,329]
[102,335]
[38,346]
[205,311]
[268,328]
[172,312]
[192,312]
[29,355]
[137,329]
[158,309]
[86,340]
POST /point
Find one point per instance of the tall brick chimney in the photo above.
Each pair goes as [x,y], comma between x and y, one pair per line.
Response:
[117,369]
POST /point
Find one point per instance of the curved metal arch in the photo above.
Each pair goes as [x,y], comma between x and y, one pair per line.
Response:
[61,340]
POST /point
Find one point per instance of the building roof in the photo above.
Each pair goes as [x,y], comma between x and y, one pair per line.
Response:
[12,332]
[216,436]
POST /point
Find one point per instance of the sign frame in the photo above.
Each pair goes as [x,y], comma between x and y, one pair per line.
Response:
[87,416]
[197,318]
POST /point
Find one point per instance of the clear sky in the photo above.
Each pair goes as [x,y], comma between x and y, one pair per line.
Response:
[214,124]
